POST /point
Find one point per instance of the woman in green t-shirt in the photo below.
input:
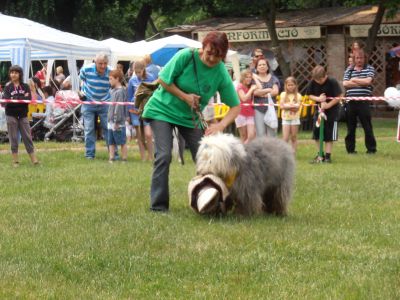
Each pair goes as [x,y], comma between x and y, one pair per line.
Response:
[187,83]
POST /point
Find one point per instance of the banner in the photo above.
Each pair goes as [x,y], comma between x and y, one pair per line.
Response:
[287,33]
[384,30]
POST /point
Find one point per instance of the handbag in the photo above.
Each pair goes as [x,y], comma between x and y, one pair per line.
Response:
[143,93]
[270,117]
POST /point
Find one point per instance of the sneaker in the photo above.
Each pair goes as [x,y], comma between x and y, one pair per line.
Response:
[318,159]
[327,160]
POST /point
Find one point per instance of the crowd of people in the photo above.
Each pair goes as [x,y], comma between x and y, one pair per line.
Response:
[257,84]
[187,83]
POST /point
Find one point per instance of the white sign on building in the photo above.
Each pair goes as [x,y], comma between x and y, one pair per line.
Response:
[288,33]
[384,30]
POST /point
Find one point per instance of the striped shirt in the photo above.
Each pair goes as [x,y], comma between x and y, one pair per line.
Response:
[365,72]
[96,87]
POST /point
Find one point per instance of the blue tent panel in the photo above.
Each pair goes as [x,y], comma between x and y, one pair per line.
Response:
[163,55]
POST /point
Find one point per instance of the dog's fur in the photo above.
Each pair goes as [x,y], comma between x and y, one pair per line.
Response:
[262,171]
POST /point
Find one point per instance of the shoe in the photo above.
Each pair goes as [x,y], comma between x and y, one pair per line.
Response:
[111,161]
[371,152]
[317,160]
[327,160]
[159,210]
[16,164]
[89,157]
[352,152]
[36,163]
[124,160]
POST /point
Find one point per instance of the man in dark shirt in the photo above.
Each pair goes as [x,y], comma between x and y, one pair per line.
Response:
[319,89]
[358,83]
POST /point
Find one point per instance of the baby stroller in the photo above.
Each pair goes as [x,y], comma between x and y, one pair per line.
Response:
[3,126]
[63,118]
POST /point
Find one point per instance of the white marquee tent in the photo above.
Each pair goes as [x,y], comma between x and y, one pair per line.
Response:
[121,50]
[22,41]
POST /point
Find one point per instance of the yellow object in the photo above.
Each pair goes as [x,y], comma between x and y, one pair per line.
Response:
[35,108]
[230,179]
[307,107]
[220,110]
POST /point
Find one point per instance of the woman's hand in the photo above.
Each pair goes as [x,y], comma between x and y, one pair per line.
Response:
[214,128]
[192,100]
[228,119]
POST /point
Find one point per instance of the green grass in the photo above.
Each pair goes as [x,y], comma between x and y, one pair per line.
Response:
[72,228]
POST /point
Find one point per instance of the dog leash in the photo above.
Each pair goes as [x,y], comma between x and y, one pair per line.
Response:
[202,121]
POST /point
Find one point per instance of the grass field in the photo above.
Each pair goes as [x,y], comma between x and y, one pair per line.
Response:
[72,228]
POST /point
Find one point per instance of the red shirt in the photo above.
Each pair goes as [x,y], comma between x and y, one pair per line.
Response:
[245,110]
[41,75]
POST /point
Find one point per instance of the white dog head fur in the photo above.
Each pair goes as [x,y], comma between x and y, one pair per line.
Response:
[219,154]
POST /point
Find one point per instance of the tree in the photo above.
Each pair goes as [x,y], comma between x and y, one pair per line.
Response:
[373,31]
[386,8]
[269,14]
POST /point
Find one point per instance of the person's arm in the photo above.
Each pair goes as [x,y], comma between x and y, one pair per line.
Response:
[228,119]
[28,94]
[191,99]
[321,98]
[263,92]
[131,90]
[362,81]
[283,104]
[333,102]
[246,96]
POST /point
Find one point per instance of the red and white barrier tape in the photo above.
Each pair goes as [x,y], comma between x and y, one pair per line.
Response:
[76,101]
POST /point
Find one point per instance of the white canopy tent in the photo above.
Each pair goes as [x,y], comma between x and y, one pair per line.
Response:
[121,50]
[22,41]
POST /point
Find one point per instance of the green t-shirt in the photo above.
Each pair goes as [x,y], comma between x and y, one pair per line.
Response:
[164,106]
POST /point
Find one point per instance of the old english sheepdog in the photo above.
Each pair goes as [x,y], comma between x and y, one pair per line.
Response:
[259,175]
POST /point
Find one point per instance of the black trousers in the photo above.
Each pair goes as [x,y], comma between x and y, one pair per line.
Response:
[162,132]
[362,110]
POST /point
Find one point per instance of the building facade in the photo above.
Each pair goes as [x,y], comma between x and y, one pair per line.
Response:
[310,37]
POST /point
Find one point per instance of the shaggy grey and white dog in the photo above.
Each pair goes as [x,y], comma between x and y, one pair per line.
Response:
[259,175]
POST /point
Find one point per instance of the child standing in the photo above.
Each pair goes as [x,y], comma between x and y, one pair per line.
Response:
[290,104]
[116,117]
[145,136]
[245,119]
[17,114]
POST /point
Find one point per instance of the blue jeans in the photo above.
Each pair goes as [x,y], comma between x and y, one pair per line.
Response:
[89,113]
[162,132]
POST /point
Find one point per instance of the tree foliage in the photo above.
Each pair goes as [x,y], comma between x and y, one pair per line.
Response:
[129,20]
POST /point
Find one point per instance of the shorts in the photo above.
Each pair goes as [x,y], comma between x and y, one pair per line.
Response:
[242,121]
[135,120]
[330,131]
[116,137]
[291,122]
